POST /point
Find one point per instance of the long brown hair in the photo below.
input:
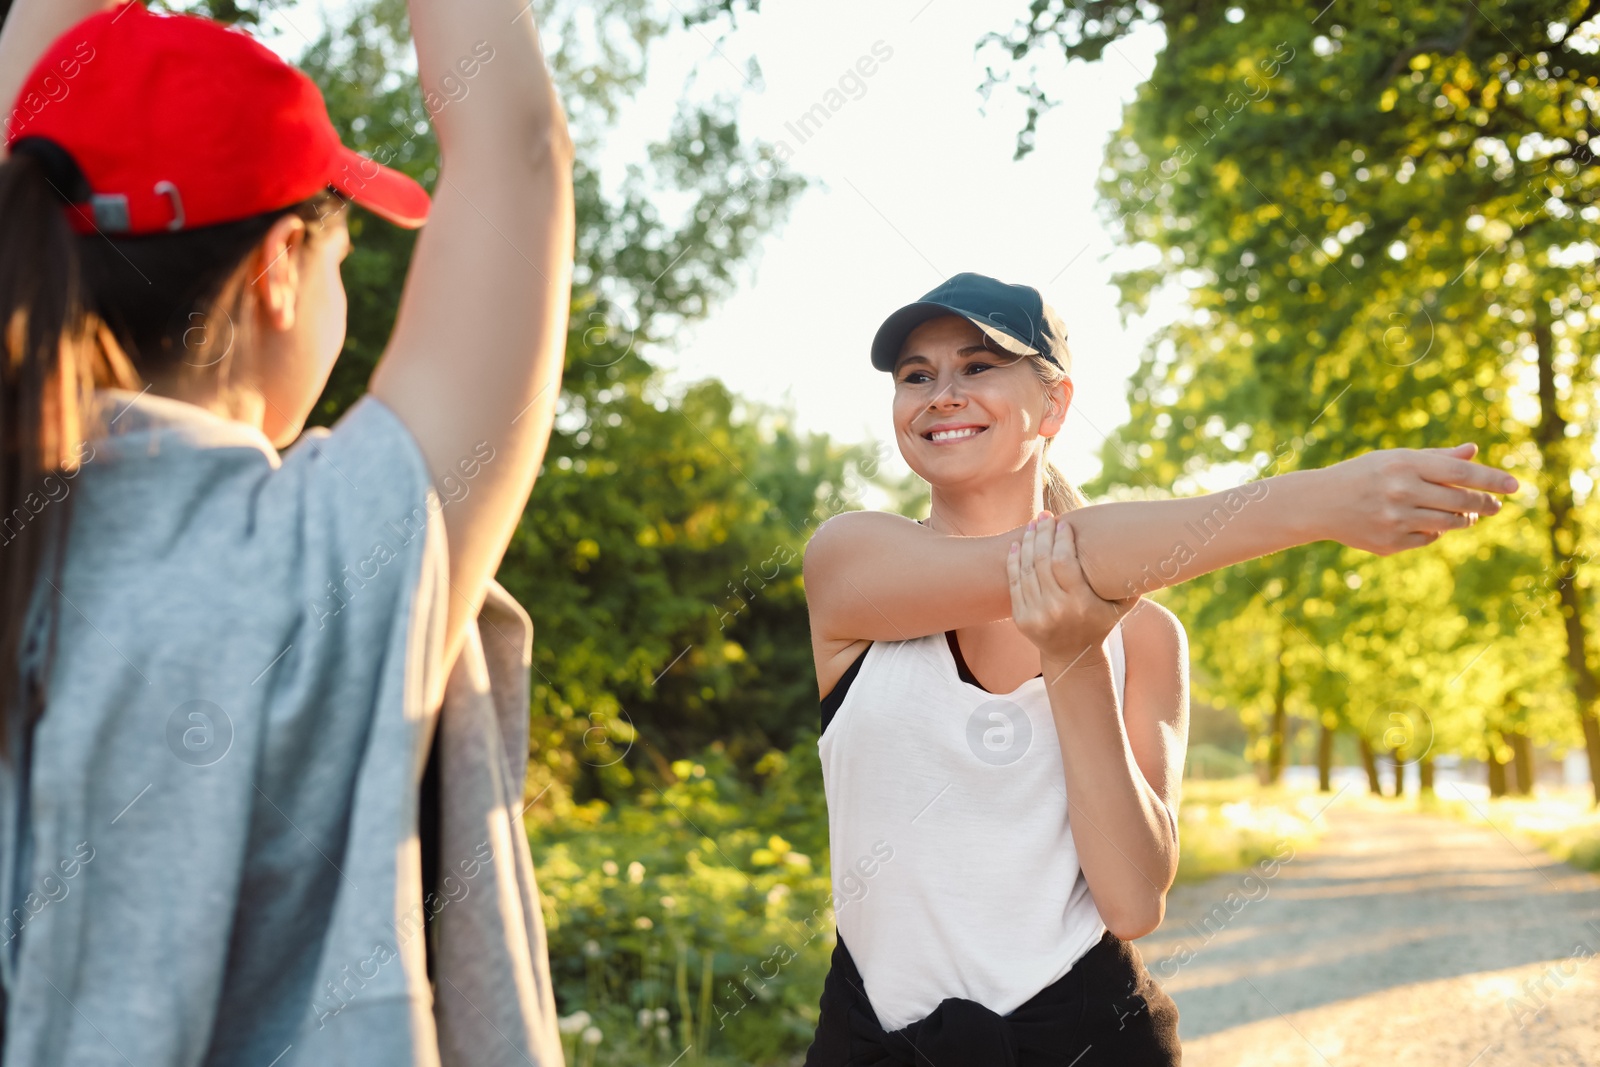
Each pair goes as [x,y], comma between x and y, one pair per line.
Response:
[77,313]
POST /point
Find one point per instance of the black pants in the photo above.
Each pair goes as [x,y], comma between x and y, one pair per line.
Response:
[1107,1011]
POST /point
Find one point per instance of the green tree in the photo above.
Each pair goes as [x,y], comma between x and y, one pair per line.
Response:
[659,555]
[1381,213]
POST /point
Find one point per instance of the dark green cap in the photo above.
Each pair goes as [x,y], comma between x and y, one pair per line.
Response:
[1015,317]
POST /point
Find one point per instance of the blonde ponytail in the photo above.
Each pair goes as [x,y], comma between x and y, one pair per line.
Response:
[1060,495]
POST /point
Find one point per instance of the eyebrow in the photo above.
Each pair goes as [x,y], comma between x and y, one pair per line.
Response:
[965,350]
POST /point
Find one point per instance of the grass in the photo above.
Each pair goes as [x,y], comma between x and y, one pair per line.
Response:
[1563,823]
[1233,823]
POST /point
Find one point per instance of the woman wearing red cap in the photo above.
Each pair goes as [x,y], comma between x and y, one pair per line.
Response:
[222,664]
[1004,718]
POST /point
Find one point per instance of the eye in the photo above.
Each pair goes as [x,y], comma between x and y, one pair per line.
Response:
[916,377]
[973,367]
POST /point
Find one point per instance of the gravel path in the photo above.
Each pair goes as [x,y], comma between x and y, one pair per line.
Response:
[1398,939]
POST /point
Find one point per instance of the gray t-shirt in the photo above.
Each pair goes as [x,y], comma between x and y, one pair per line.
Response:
[207,857]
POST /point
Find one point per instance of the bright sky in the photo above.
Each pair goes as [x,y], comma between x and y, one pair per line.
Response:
[911,184]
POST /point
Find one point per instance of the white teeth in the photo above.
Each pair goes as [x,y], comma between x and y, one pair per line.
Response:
[950,435]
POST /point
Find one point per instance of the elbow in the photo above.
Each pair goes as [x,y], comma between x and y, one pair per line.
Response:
[1137,918]
[549,140]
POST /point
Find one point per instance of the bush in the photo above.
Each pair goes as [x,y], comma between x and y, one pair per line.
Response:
[699,918]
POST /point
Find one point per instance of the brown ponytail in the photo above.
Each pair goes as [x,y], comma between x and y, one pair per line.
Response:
[78,313]
[48,365]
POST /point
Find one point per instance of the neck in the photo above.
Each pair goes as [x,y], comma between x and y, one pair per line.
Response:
[239,404]
[990,506]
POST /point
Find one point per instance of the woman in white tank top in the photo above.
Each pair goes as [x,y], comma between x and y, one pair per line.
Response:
[1004,719]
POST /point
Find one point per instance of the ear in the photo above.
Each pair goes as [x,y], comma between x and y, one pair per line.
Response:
[1059,397]
[275,271]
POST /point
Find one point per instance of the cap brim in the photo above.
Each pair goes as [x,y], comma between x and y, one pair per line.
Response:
[386,193]
[898,326]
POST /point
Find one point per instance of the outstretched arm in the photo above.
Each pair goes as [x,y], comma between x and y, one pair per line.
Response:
[880,577]
[474,365]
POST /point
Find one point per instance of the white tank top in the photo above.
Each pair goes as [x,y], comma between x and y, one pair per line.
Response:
[954,869]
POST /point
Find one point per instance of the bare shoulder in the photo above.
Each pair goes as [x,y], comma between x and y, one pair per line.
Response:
[847,538]
[1152,635]
[837,535]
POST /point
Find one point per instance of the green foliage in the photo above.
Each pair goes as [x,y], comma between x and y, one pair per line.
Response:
[1371,208]
[659,555]
[640,898]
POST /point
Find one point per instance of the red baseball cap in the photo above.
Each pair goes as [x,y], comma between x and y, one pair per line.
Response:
[178,122]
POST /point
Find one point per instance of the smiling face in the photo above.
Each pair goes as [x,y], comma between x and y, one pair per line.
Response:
[966,415]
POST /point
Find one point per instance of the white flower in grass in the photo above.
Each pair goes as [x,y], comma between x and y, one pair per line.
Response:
[663,1034]
[610,867]
[592,1036]
[591,948]
[662,1015]
[646,1017]
[574,1023]
[635,872]
[643,922]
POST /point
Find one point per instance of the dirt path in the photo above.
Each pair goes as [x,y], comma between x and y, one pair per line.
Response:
[1399,939]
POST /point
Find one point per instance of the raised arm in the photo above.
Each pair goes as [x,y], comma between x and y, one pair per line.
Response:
[29,29]
[474,364]
[879,577]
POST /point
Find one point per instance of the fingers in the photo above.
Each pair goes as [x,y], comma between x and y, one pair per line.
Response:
[1050,554]
[1019,604]
[1444,468]
[1470,448]
[1429,520]
[1456,501]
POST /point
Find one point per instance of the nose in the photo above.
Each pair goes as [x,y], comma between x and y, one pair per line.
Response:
[949,395]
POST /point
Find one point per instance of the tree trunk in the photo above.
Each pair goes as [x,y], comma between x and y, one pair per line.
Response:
[1522,760]
[1399,756]
[1370,762]
[1280,718]
[1325,760]
[1556,473]
[1497,767]
[1253,747]
[1425,775]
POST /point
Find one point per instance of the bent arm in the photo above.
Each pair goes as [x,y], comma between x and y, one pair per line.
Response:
[474,365]
[1123,771]
[881,577]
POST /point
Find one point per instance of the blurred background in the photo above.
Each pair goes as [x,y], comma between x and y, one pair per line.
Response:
[1280,234]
